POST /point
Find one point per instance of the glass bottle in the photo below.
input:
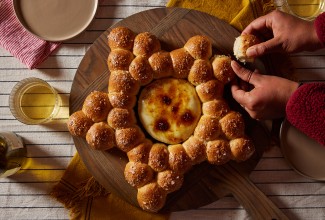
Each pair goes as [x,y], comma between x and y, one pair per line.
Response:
[12,153]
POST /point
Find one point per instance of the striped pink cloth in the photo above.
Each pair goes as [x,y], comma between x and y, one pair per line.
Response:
[23,45]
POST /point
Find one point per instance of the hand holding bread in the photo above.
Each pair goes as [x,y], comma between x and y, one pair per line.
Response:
[282,32]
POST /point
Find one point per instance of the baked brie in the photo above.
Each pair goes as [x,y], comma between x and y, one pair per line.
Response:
[169,110]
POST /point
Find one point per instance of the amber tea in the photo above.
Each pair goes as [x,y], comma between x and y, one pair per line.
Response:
[34,101]
[305,9]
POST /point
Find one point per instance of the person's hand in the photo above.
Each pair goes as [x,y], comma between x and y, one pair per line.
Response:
[268,98]
[282,32]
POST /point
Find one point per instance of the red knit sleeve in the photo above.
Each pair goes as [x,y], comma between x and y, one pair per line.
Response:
[306,110]
[320,27]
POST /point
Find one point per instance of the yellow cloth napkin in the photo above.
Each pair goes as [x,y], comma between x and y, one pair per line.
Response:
[78,190]
[85,198]
[238,13]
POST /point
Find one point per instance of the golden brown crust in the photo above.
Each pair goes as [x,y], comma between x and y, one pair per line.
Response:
[201,71]
[195,149]
[121,37]
[78,124]
[158,157]
[241,44]
[122,81]
[208,128]
[140,153]
[210,90]
[169,180]
[119,59]
[222,69]
[121,118]
[122,100]
[161,64]
[215,108]
[218,152]
[138,174]
[141,70]
[145,44]
[199,47]
[100,136]
[151,197]
[241,148]
[128,138]
[232,125]
[96,106]
[182,62]
[179,161]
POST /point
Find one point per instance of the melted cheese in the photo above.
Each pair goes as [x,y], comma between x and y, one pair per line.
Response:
[169,110]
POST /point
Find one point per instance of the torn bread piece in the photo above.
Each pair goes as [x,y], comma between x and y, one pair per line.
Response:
[242,43]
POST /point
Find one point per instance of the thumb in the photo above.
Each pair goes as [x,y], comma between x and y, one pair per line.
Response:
[266,47]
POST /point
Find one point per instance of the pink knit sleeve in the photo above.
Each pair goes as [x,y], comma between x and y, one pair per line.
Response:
[320,27]
[306,110]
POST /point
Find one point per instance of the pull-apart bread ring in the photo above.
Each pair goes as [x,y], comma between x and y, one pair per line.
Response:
[181,118]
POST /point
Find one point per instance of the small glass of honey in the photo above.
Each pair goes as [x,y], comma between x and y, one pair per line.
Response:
[34,101]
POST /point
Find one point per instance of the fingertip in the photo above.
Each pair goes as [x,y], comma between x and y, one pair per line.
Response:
[234,87]
[237,93]
[235,66]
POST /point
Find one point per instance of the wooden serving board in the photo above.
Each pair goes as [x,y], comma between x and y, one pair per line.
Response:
[205,183]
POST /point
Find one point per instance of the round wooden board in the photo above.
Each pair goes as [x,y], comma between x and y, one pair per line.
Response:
[173,26]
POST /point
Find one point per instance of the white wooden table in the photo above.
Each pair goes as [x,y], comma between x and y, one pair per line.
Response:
[50,147]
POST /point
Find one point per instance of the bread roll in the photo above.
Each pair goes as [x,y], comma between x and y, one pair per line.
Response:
[179,161]
[241,44]
[100,136]
[195,149]
[121,118]
[122,81]
[158,157]
[161,64]
[119,59]
[222,69]
[210,90]
[241,149]
[151,197]
[78,124]
[121,37]
[145,44]
[233,125]
[140,153]
[200,72]
[218,152]
[199,47]
[141,70]
[182,62]
[216,108]
[96,106]
[122,100]
[138,174]
[169,180]
[208,128]
[128,138]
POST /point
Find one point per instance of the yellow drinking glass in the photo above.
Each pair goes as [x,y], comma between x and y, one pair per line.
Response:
[34,101]
[305,9]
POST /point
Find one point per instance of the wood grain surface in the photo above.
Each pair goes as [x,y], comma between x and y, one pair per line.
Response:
[205,183]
